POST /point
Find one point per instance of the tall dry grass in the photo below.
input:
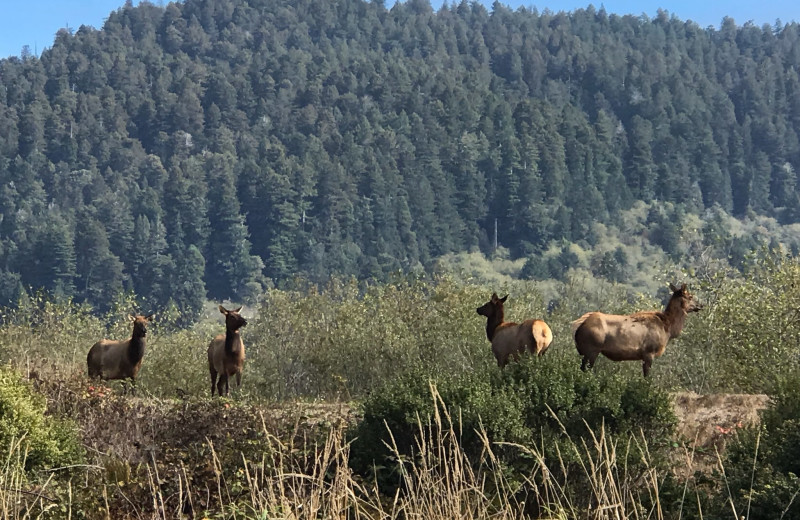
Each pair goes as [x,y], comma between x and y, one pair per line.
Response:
[307,480]
[19,499]
[311,482]
[439,482]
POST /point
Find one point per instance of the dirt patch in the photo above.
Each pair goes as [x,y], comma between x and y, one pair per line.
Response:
[707,422]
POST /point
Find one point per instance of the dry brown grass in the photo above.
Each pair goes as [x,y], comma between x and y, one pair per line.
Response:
[310,482]
[706,423]
[301,476]
[19,498]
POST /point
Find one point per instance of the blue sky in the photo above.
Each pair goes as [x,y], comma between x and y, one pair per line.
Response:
[35,22]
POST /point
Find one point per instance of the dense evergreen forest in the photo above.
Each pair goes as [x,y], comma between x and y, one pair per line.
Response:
[212,147]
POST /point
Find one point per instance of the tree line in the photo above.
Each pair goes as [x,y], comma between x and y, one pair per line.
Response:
[211,148]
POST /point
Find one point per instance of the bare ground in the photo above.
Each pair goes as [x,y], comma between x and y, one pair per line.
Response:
[707,422]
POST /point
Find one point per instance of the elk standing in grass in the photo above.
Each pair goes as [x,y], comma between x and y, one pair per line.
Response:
[109,359]
[226,352]
[641,336]
[509,338]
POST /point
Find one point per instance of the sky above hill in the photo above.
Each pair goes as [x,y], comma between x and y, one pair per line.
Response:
[35,23]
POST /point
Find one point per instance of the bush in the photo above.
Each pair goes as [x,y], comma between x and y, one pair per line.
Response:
[345,340]
[49,442]
[544,402]
[763,463]
[746,337]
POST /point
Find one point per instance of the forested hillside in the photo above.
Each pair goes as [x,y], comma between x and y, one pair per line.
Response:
[210,147]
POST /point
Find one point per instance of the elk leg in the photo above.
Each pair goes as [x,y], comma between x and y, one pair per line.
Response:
[502,360]
[588,361]
[222,383]
[133,386]
[646,363]
[499,357]
[238,379]
[213,379]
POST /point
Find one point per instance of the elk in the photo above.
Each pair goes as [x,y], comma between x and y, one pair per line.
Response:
[641,336]
[109,359]
[509,338]
[226,352]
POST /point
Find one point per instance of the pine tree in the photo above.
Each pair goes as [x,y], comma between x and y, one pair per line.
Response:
[186,290]
[46,260]
[100,272]
[641,172]
[150,261]
[231,271]
[190,294]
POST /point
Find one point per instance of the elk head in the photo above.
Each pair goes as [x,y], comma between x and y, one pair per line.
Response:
[233,320]
[688,302]
[140,324]
[493,306]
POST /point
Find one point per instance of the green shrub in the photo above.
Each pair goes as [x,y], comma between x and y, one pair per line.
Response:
[177,363]
[349,338]
[746,337]
[545,402]
[46,330]
[762,464]
[49,442]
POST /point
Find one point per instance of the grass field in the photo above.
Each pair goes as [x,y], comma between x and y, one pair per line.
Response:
[384,401]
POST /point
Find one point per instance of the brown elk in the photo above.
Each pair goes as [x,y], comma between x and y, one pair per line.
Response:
[226,352]
[642,336]
[109,359]
[509,338]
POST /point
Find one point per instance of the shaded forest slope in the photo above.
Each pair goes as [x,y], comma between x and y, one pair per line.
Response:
[210,147]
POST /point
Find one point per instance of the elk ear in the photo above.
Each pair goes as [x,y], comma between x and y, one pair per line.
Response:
[150,317]
[683,287]
[131,318]
[223,310]
[494,297]
[503,299]
[237,310]
[672,287]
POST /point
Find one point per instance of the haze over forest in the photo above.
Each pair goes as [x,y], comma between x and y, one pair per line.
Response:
[210,148]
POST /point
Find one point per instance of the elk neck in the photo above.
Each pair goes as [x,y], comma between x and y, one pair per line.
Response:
[136,348]
[674,317]
[230,340]
[492,322]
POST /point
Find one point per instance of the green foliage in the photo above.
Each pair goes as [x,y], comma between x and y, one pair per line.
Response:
[149,151]
[382,345]
[48,441]
[746,337]
[763,463]
[347,338]
[175,363]
[41,329]
[537,401]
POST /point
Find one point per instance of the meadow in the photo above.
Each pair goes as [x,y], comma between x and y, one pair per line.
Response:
[383,400]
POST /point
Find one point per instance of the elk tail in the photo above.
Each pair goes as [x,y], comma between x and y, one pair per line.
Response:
[577,323]
[546,336]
